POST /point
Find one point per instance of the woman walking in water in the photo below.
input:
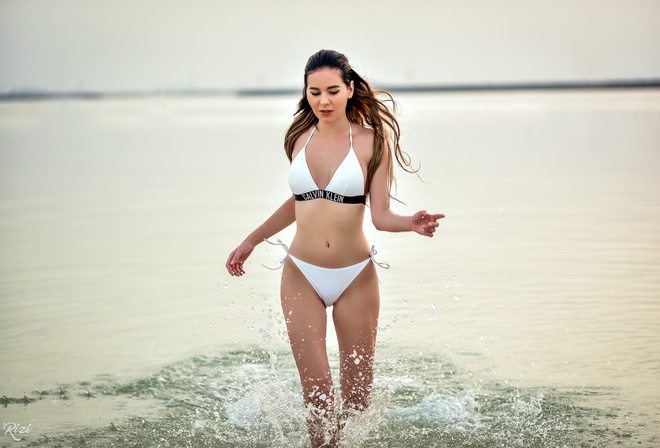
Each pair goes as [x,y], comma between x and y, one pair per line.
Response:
[342,145]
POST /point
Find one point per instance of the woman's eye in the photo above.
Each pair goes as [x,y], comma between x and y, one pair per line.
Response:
[318,93]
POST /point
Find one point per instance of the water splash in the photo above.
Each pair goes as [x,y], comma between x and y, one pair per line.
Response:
[251,398]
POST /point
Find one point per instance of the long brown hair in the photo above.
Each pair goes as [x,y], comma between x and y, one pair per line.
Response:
[364,108]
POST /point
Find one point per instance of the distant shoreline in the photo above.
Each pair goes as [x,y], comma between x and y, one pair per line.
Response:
[422,88]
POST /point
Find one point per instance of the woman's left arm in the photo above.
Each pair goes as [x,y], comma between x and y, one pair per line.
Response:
[385,219]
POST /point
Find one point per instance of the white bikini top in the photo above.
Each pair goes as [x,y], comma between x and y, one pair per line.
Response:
[346,185]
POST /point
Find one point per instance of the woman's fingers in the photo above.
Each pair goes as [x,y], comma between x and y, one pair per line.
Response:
[234,264]
[427,222]
[229,260]
[231,263]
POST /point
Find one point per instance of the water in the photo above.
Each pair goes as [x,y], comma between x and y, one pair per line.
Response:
[530,320]
[240,399]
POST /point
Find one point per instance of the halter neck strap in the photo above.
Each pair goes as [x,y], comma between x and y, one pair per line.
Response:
[350,133]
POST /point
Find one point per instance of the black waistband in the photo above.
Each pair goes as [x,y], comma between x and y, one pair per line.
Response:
[329,195]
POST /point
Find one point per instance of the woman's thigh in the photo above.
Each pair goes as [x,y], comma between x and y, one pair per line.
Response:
[355,313]
[355,317]
[306,322]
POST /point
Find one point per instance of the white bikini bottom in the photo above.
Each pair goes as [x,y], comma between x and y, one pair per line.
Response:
[329,283]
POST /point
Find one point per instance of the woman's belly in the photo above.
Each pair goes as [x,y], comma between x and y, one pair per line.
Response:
[329,234]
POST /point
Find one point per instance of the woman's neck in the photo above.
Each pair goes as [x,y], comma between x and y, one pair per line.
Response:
[333,128]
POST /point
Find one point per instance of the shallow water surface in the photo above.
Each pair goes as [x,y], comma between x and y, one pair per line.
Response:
[530,320]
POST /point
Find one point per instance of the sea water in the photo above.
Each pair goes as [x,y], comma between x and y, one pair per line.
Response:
[529,320]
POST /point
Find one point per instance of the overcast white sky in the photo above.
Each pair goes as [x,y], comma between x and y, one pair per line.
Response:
[159,44]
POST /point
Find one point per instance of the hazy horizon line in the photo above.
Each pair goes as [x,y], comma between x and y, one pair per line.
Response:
[43,94]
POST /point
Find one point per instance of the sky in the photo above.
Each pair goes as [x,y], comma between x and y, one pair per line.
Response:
[138,45]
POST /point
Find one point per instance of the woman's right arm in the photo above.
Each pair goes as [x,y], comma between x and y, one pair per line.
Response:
[281,219]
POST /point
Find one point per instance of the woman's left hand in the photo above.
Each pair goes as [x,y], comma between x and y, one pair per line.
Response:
[425,223]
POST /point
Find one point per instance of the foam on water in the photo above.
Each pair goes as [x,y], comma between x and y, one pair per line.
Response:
[437,408]
[246,399]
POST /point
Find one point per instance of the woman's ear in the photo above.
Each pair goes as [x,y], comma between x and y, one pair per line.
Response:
[351,89]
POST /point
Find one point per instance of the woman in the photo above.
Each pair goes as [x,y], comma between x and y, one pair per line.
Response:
[341,146]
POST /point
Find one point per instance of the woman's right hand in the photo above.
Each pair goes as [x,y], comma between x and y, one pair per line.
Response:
[283,216]
[238,256]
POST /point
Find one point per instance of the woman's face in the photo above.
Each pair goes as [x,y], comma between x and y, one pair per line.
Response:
[327,94]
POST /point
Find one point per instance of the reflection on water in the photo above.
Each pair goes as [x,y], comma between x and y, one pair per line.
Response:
[529,320]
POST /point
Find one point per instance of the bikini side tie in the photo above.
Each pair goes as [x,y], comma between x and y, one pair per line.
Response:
[286,249]
[372,256]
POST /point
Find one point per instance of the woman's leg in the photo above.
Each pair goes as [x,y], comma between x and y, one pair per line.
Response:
[306,321]
[355,315]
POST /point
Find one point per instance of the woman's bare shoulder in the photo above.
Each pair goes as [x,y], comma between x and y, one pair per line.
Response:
[363,139]
[300,142]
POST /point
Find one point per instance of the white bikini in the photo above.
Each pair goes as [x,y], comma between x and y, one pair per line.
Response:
[347,187]
[329,283]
